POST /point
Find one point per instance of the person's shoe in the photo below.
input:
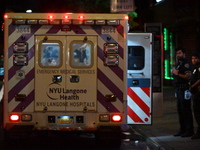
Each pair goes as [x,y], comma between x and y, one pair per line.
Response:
[196,136]
[179,133]
[187,134]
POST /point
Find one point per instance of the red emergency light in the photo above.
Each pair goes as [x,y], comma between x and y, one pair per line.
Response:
[81,17]
[66,17]
[14,117]
[126,17]
[5,16]
[51,17]
[116,118]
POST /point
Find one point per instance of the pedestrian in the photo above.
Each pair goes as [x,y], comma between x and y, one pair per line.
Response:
[195,90]
[181,75]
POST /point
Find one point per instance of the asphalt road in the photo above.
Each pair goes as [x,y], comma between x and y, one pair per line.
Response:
[131,141]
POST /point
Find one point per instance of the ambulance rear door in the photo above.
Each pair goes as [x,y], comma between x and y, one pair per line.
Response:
[139,76]
[65,73]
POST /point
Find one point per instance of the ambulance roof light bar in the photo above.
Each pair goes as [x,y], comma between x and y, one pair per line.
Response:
[66,17]
[90,16]
[126,17]
[50,17]
[5,16]
[81,17]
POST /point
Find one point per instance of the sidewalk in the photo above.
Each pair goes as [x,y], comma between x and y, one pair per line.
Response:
[163,128]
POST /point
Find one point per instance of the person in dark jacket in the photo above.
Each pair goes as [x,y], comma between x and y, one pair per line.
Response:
[195,90]
[181,75]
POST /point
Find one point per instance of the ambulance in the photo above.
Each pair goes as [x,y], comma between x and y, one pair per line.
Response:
[65,72]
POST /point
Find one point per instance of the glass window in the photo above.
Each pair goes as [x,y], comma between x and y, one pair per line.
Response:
[136,57]
[50,55]
[81,54]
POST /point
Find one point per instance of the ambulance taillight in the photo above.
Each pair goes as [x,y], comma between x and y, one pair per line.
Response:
[116,118]
[14,117]
[107,118]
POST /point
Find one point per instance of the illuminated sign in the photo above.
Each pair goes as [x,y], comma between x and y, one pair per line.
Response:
[122,5]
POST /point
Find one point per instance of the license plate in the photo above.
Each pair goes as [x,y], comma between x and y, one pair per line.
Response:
[65,119]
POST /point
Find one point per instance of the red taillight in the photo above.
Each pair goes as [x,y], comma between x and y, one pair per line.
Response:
[116,118]
[14,117]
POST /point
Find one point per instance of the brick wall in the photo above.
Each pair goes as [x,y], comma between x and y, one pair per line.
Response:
[188,37]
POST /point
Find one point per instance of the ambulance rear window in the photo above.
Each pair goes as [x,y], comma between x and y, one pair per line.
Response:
[50,54]
[81,54]
[136,57]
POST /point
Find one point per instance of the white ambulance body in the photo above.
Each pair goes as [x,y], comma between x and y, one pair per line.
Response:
[139,76]
[65,72]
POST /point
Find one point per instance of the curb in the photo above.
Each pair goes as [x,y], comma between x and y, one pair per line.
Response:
[153,145]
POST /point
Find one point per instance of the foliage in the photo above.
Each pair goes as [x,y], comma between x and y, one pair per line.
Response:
[132,23]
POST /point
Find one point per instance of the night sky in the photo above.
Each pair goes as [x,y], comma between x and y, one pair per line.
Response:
[91,6]
[57,6]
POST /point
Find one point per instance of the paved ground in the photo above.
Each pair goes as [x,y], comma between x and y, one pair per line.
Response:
[163,128]
[160,133]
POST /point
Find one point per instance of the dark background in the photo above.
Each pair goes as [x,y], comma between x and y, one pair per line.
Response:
[59,6]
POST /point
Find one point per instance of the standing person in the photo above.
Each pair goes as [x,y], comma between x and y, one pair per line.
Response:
[195,89]
[181,74]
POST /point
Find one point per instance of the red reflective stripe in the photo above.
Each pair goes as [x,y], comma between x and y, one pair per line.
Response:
[133,115]
[139,101]
[146,90]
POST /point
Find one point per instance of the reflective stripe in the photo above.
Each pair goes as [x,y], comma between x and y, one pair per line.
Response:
[1,93]
[139,104]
